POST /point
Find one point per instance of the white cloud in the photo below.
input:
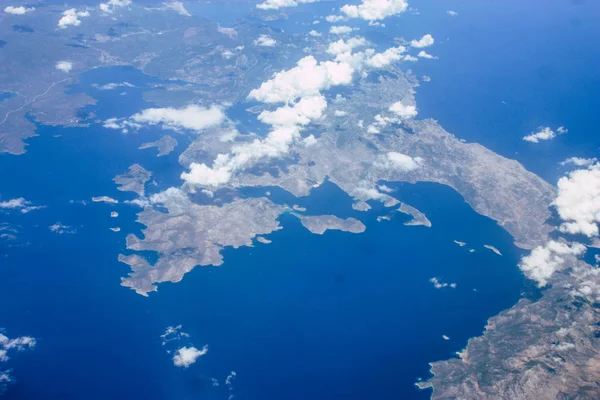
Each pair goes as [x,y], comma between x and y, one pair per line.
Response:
[340,113]
[373,10]
[19,204]
[265,41]
[61,229]
[346,46]
[110,5]
[404,111]
[398,161]
[113,85]
[424,54]
[334,18]
[391,55]
[578,201]
[340,30]
[544,133]
[541,263]
[192,117]
[425,41]
[186,356]
[452,13]
[64,66]
[307,78]
[277,4]
[314,33]
[105,199]
[18,10]
[302,113]
[177,6]
[440,285]
[173,333]
[579,161]
[71,18]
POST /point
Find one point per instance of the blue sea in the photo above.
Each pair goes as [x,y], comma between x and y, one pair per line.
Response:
[341,315]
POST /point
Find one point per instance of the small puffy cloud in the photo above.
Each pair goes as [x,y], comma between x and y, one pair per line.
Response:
[374,10]
[64,66]
[544,133]
[438,284]
[307,78]
[265,41]
[424,54]
[452,13]
[18,10]
[543,261]
[340,30]
[425,41]
[111,5]
[192,117]
[314,33]
[345,46]
[579,161]
[173,333]
[19,204]
[561,130]
[186,356]
[398,161]
[334,18]
[578,201]
[389,56]
[404,111]
[71,18]
[277,4]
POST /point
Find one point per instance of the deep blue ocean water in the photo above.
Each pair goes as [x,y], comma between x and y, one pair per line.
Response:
[307,316]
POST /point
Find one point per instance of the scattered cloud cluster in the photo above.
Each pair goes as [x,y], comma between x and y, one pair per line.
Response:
[111,5]
[61,229]
[71,18]
[544,133]
[399,110]
[440,285]
[18,10]
[186,356]
[265,41]
[578,201]
[299,90]
[7,346]
[375,10]
[425,41]
[19,204]
[64,66]
[173,333]
[277,4]
[543,261]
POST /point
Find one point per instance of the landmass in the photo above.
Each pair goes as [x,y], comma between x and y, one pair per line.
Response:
[418,218]
[492,248]
[134,180]
[320,223]
[165,145]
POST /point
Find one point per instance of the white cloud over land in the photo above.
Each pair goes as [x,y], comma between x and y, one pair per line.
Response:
[71,18]
[64,66]
[543,261]
[18,10]
[375,10]
[578,201]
